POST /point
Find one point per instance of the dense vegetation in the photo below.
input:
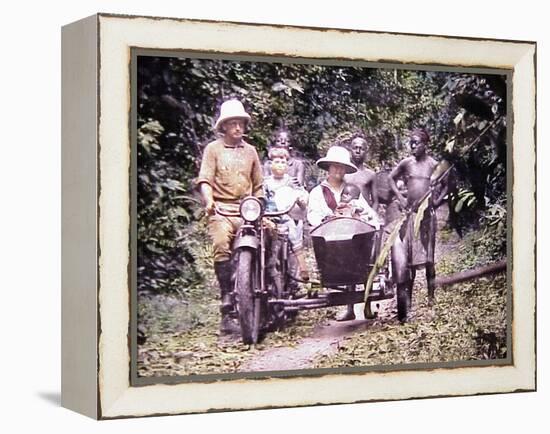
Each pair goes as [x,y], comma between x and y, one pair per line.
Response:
[178,101]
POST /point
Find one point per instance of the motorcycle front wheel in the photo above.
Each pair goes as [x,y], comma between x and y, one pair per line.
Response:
[248,307]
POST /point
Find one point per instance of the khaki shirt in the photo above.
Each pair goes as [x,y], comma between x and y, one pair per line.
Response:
[233,172]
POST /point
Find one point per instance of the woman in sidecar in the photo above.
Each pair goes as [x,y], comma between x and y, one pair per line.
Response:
[346,230]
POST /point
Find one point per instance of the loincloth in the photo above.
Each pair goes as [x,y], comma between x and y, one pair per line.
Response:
[421,248]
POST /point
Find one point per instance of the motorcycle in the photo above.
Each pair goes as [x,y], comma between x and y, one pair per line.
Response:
[262,262]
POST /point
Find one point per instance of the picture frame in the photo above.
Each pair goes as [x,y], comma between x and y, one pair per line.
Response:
[97,330]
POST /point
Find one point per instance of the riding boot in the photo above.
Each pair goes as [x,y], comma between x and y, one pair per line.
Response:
[404,298]
[228,326]
[224,270]
[302,264]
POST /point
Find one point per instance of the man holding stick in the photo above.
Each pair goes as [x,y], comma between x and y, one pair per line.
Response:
[409,252]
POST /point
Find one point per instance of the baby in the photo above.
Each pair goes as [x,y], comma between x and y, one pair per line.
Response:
[349,201]
[353,205]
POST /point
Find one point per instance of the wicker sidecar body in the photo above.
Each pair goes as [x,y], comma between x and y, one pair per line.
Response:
[345,249]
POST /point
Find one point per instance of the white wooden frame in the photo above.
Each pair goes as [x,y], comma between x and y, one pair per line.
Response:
[95,212]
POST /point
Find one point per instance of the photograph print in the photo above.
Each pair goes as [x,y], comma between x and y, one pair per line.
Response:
[296,217]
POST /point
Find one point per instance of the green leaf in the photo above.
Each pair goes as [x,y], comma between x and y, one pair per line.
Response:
[278,87]
[197,73]
[380,261]
[459,204]
[420,214]
[458,118]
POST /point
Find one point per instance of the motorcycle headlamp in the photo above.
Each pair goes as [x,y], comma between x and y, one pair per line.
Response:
[251,209]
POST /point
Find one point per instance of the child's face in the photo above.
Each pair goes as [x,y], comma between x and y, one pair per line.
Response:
[346,197]
[279,166]
[349,193]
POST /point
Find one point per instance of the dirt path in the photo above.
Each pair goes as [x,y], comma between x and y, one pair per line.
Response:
[325,340]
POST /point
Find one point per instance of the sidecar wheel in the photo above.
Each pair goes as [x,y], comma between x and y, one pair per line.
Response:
[247,307]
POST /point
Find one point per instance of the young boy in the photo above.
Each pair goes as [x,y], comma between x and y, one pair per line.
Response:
[281,190]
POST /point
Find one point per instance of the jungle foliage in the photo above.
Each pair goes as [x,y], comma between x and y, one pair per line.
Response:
[178,100]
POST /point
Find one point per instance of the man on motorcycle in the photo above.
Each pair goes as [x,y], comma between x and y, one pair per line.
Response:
[230,170]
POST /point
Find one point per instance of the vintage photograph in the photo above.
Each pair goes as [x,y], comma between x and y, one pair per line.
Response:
[293,215]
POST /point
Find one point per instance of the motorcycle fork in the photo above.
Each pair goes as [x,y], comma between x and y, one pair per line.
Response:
[247,229]
[262,259]
[284,258]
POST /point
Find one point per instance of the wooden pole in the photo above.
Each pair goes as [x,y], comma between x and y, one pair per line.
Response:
[494,268]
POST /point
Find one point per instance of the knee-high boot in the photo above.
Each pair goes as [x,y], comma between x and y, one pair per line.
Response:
[224,271]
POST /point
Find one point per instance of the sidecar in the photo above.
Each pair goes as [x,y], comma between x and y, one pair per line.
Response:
[345,250]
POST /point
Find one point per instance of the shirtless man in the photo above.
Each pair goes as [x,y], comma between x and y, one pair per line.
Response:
[416,171]
[364,178]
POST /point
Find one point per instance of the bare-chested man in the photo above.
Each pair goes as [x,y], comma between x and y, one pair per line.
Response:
[364,178]
[407,253]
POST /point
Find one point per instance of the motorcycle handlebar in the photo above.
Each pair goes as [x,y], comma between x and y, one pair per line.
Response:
[280,213]
[266,214]
[226,213]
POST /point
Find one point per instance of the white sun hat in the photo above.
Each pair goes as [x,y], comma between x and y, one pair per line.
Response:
[231,109]
[339,155]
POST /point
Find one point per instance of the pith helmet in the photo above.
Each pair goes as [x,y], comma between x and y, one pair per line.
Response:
[339,155]
[231,109]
